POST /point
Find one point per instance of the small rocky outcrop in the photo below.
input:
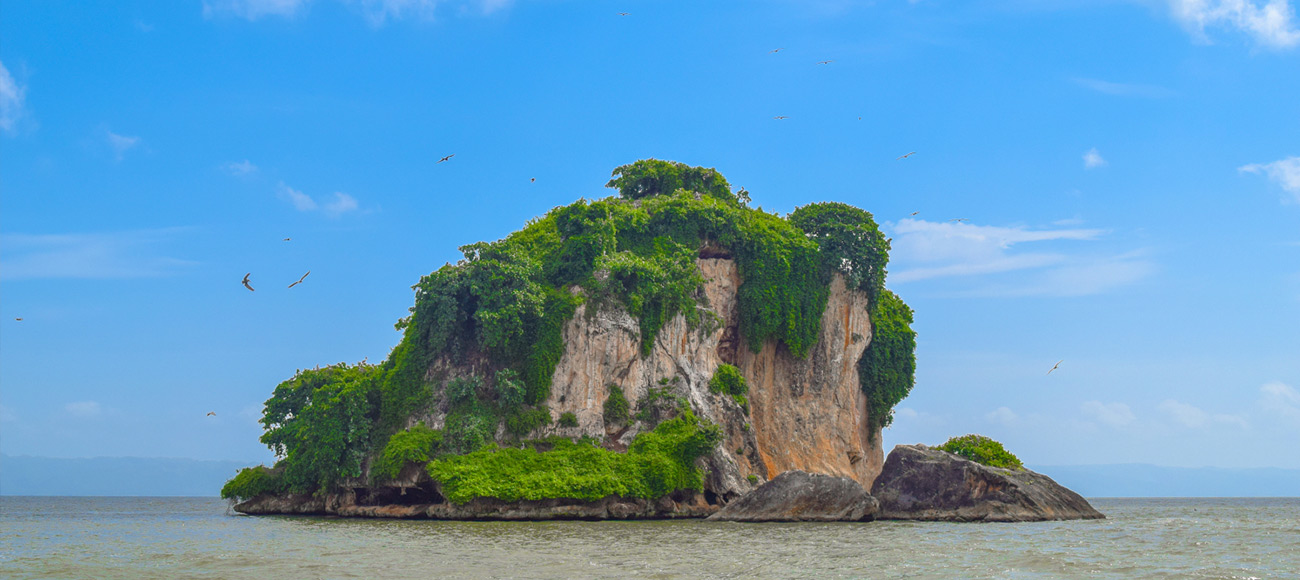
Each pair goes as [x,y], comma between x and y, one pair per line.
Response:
[920,483]
[683,504]
[798,496]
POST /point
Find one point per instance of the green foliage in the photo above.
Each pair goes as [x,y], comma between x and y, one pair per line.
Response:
[251,482]
[418,444]
[652,288]
[469,426]
[320,421]
[727,379]
[657,463]
[521,422]
[753,479]
[659,404]
[462,390]
[981,449]
[651,177]
[568,419]
[850,242]
[887,369]
[510,390]
[617,412]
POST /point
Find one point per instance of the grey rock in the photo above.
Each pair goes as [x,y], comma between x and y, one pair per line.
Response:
[798,496]
[920,483]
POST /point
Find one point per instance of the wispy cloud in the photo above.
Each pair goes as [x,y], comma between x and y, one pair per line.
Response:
[252,9]
[240,168]
[1092,159]
[1113,414]
[1124,89]
[1281,398]
[1285,172]
[376,12]
[1194,417]
[132,254]
[83,409]
[1270,22]
[12,97]
[120,144]
[1002,416]
[340,204]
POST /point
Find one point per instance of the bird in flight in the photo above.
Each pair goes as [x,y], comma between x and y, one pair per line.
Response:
[959,220]
[826,62]
[286,239]
[775,50]
[1058,363]
[906,156]
[212,414]
[246,284]
[446,158]
[915,212]
[18,319]
[304,277]
[623,13]
[780,117]
[532,180]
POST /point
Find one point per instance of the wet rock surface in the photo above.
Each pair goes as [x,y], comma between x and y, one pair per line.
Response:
[798,496]
[920,483]
[679,505]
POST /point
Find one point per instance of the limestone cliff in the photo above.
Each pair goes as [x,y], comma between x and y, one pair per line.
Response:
[806,414]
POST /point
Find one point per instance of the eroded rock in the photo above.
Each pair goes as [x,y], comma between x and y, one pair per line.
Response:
[799,496]
[920,483]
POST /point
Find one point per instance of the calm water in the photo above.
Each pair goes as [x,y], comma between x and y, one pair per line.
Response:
[198,538]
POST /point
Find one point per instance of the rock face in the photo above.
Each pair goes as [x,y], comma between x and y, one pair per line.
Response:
[679,505]
[798,496]
[919,483]
[805,414]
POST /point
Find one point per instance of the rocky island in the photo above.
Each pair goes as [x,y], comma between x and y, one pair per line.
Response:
[656,354]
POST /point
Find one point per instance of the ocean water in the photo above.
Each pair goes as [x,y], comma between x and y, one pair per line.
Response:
[77,537]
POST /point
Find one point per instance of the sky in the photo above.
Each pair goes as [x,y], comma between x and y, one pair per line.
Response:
[1112,185]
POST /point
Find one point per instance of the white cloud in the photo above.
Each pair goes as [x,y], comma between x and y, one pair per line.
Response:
[1002,416]
[12,96]
[252,9]
[1193,417]
[241,168]
[1282,399]
[1113,414]
[7,415]
[121,144]
[83,409]
[1270,22]
[1093,159]
[1286,172]
[377,12]
[131,254]
[1124,89]
[341,204]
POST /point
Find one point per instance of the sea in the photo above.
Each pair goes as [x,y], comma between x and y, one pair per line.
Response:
[142,537]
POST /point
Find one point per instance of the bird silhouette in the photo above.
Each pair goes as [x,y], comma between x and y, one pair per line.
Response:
[446,158]
[826,62]
[1058,363]
[19,319]
[906,156]
[623,13]
[245,282]
[959,220]
[775,50]
[780,117]
[286,239]
[915,212]
[304,277]
[532,180]
[212,414]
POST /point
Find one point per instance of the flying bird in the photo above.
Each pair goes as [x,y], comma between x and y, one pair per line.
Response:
[826,62]
[18,319]
[775,50]
[304,277]
[906,156]
[780,117]
[1058,363]
[959,220]
[915,212]
[532,180]
[286,239]
[245,282]
[623,13]
[212,414]
[446,158]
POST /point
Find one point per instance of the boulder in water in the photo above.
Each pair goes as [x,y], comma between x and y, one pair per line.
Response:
[798,496]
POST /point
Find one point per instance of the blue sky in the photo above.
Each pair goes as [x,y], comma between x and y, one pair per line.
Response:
[1129,172]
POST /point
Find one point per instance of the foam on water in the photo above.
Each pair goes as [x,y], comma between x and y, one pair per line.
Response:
[199,538]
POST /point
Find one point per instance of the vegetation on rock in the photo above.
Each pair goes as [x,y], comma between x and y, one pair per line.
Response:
[251,482]
[887,369]
[416,445]
[727,379]
[617,412]
[981,449]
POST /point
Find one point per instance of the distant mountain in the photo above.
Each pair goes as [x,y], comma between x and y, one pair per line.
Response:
[1142,480]
[139,476]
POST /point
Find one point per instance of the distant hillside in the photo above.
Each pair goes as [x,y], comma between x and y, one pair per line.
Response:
[137,476]
[1141,480]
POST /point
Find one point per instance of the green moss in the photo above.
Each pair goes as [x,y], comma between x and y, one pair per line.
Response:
[656,464]
[418,444]
[251,482]
[887,369]
[753,479]
[617,412]
[981,449]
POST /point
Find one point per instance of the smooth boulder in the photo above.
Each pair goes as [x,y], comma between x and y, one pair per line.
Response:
[920,483]
[798,496]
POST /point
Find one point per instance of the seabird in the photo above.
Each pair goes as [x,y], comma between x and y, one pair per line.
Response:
[304,277]
[623,13]
[915,212]
[826,62]
[906,156]
[245,282]
[1058,363]
[19,319]
[212,414]
[446,158]
[775,50]
[286,239]
[532,179]
[780,117]
[959,220]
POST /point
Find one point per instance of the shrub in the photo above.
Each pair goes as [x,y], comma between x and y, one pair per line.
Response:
[524,421]
[510,390]
[251,482]
[568,419]
[887,369]
[617,411]
[753,479]
[418,444]
[727,379]
[469,427]
[981,449]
